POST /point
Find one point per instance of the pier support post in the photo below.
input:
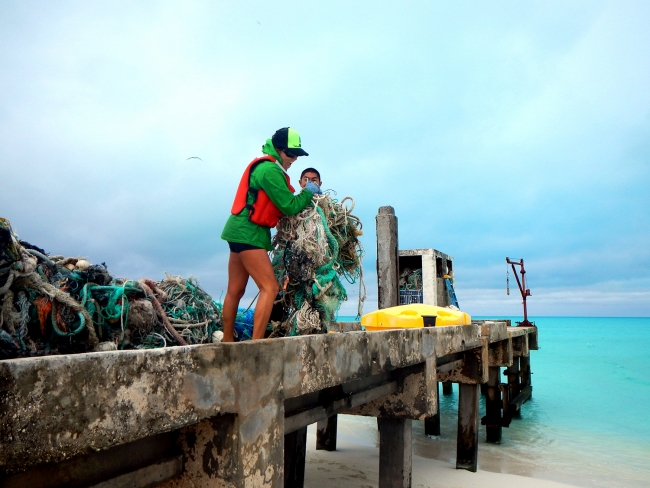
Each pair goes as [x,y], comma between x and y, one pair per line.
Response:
[295,451]
[512,373]
[432,424]
[326,434]
[447,388]
[493,405]
[467,445]
[387,258]
[395,453]
[524,366]
[231,450]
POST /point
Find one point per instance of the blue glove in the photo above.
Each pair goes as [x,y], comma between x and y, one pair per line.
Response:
[313,187]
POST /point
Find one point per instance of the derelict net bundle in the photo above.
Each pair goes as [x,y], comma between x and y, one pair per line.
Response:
[312,251]
[56,305]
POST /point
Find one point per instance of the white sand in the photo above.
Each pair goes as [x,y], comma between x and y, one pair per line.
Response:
[356,465]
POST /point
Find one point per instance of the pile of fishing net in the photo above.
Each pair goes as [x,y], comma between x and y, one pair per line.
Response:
[312,252]
[51,304]
[410,279]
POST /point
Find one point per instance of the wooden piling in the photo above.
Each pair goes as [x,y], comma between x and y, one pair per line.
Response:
[447,388]
[432,424]
[514,387]
[326,434]
[295,450]
[467,443]
[395,461]
[493,405]
[524,366]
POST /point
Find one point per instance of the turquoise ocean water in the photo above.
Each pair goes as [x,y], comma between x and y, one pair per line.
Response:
[588,423]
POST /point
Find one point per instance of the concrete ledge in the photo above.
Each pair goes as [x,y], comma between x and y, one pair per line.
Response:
[92,402]
[53,408]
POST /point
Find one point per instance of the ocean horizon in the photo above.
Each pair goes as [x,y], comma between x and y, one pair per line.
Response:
[586,423]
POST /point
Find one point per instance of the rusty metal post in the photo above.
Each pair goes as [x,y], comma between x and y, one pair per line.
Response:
[295,451]
[395,461]
[326,434]
[467,443]
[387,258]
[493,405]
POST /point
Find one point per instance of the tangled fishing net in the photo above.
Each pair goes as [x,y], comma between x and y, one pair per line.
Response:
[60,305]
[410,279]
[312,252]
[51,304]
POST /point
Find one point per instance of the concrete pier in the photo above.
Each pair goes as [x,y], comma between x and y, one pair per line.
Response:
[224,410]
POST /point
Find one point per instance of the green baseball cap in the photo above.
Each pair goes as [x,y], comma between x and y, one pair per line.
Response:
[288,140]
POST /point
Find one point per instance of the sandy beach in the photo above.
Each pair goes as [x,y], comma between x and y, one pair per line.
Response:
[355,465]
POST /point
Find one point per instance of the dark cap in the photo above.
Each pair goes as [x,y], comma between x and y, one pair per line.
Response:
[288,140]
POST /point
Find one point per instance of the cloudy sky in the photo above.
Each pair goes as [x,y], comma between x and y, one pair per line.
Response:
[495,129]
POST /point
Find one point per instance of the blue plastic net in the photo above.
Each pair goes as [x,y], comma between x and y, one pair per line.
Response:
[244,324]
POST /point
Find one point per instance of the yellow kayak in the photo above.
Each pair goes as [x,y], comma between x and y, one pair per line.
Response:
[411,316]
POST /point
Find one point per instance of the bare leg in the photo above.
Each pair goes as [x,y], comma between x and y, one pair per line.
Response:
[258,265]
[237,280]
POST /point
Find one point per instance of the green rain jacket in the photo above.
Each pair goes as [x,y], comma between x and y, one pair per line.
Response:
[269,177]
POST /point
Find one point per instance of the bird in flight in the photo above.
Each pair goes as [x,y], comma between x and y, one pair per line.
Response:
[194,157]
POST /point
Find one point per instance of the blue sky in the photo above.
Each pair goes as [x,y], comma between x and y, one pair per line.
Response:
[495,129]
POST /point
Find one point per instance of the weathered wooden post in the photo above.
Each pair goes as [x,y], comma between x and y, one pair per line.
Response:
[522,349]
[326,434]
[447,388]
[519,379]
[469,374]
[500,354]
[295,451]
[467,445]
[395,453]
[524,366]
[432,424]
[395,449]
[512,373]
[493,406]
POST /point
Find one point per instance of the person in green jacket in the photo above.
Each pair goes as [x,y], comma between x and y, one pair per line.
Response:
[264,193]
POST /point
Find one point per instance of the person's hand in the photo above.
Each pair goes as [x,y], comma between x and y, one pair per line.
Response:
[313,187]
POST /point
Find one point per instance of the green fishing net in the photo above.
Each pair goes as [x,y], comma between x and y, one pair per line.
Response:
[312,252]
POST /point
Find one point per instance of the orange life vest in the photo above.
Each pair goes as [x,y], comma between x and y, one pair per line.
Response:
[262,211]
